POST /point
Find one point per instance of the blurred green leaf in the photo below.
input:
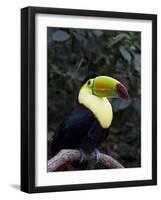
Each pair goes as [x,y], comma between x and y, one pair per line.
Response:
[50,135]
[98,33]
[126,55]
[137,62]
[60,36]
[136,103]
[117,39]
[119,104]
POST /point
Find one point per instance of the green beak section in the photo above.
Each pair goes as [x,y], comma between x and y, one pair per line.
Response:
[105,86]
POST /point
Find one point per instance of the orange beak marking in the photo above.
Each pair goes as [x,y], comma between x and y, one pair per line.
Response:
[100,86]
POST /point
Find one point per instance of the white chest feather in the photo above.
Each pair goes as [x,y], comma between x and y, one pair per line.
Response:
[100,107]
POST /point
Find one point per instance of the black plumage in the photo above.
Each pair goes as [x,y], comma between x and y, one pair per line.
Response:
[79,130]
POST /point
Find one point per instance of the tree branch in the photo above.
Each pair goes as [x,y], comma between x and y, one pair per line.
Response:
[66,156]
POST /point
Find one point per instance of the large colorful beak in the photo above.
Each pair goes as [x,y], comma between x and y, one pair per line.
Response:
[105,86]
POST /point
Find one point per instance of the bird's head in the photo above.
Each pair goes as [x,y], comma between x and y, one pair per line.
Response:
[105,86]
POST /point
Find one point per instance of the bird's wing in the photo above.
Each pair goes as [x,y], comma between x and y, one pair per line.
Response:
[71,132]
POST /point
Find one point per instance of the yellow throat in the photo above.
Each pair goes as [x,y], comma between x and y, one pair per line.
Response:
[99,106]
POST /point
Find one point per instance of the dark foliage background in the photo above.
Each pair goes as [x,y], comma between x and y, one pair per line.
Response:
[72,55]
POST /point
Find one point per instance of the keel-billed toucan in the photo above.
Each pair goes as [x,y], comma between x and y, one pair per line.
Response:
[85,127]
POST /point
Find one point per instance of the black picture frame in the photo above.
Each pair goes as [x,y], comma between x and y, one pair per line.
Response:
[28,98]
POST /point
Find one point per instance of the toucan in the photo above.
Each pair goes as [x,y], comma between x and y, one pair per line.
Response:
[86,126]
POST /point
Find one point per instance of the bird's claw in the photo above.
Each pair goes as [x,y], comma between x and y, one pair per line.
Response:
[97,153]
[83,157]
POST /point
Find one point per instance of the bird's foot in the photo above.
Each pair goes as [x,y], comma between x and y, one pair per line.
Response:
[98,155]
[83,157]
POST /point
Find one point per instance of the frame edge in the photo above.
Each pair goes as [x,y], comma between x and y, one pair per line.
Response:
[24,100]
[27,100]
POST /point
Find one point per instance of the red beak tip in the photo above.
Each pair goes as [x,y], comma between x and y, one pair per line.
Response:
[122,91]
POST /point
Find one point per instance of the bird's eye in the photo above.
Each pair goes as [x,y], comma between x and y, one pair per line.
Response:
[89,82]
